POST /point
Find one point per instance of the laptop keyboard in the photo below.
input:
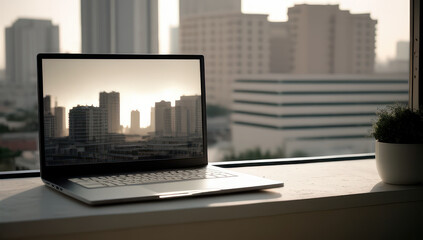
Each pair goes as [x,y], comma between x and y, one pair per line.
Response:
[150,177]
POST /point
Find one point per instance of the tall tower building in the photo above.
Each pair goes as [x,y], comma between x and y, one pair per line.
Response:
[24,40]
[60,121]
[188,116]
[232,43]
[49,118]
[112,26]
[403,50]
[49,125]
[174,40]
[326,39]
[135,121]
[111,103]
[400,63]
[152,119]
[87,124]
[189,8]
[280,48]
[47,104]
[163,118]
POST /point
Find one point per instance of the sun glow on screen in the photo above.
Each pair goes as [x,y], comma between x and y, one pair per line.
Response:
[140,83]
[144,103]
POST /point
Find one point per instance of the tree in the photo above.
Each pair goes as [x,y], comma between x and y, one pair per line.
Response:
[254,154]
[216,111]
[4,128]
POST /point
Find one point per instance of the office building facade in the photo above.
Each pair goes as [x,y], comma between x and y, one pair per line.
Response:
[60,121]
[135,121]
[315,114]
[111,103]
[188,116]
[49,125]
[152,119]
[327,40]
[111,26]
[88,124]
[163,118]
[232,44]
[47,104]
[401,61]
[189,8]
[174,40]
[24,40]
[280,54]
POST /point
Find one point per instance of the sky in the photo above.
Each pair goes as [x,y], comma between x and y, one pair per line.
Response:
[392,15]
[140,83]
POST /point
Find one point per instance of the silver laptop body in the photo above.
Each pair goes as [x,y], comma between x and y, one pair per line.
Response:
[121,128]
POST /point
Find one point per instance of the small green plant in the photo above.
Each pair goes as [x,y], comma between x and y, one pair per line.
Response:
[398,124]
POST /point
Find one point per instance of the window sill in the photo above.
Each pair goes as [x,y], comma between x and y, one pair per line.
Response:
[29,210]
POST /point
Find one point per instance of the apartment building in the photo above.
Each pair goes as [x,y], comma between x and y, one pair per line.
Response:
[326,40]
[232,43]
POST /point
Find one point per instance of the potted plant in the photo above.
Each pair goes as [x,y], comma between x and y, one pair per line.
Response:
[399,144]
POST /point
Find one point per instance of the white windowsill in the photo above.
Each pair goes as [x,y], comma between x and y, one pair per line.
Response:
[29,209]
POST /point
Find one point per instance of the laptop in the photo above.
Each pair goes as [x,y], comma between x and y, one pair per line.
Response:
[123,128]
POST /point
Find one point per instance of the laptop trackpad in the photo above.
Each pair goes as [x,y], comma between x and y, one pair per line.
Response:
[179,189]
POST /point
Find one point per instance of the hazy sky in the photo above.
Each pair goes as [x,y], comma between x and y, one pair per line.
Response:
[392,15]
[140,83]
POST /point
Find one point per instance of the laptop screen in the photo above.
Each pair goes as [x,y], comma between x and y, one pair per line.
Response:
[121,110]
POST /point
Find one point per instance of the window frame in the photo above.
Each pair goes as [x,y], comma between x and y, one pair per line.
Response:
[416,50]
[415,101]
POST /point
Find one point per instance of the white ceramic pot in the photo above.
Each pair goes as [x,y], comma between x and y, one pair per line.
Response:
[399,163]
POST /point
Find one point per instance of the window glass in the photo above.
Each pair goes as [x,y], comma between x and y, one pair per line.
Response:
[283,78]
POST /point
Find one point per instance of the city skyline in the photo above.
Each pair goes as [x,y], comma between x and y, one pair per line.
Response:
[140,83]
[393,19]
[48,97]
[93,136]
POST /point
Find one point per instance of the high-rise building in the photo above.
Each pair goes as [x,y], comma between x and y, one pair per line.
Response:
[111,26]
[135,121]
[111,103]
[163,118]
[188,116]
[326,40]
[173,123]
[174,40]
[403,50]
[49,125]
[152,119]
[280,48]
[400,64]
[232,44]
[60,121]
[87,124]
[24,40]
[189,8]
[47,104]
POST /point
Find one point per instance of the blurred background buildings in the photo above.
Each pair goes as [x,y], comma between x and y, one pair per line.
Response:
[306,86]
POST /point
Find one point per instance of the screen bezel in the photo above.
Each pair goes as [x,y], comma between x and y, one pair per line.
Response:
[104,168]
